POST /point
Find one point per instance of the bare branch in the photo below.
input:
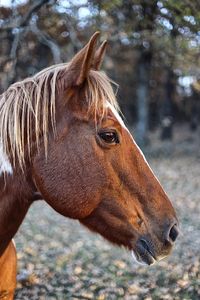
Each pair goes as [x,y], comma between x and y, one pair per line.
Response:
[73,35]
[21,24]
[35,7]
[23,21]
[45,39]
[13,57]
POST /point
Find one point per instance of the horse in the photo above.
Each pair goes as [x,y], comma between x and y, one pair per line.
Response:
[63,139]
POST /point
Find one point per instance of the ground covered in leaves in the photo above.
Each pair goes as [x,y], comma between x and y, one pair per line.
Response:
[59,259]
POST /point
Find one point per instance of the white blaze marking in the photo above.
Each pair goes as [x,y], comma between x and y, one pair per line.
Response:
[5,165]
[121,122]
[117,116]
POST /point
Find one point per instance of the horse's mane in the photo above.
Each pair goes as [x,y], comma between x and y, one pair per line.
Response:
[27,107]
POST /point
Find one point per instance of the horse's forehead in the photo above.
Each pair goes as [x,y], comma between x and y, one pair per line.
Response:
[116,115]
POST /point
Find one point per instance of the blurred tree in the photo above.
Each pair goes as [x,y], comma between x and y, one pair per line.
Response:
[158,32]
[153,44]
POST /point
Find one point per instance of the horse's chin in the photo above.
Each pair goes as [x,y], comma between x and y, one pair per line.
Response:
[144,252]
[144,260]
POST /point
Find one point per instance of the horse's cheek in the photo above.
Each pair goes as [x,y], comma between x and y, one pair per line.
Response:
[69,187]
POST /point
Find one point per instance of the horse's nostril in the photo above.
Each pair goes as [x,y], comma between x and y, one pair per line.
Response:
[144,244]
[173,233]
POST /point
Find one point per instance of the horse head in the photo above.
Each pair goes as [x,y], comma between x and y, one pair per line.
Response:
[94,171]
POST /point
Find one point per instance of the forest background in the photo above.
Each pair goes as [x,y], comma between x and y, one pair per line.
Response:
[153,52]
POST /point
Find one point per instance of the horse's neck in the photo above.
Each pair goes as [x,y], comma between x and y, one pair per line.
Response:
[16,196]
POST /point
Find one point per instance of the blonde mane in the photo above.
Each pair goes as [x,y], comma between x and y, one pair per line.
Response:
[27,106]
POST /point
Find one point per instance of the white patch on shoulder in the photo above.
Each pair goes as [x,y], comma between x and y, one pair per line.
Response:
[5,165]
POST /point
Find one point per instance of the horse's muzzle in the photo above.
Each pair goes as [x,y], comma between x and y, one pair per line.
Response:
[145,251]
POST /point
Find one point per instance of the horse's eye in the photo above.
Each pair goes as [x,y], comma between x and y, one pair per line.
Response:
[110,137]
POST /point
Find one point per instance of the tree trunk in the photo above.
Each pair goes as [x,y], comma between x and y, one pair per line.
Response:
[167,107]
[195,109]
[142,95]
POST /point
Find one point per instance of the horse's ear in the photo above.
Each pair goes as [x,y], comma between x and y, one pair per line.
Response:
[82,62]
[99,56]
